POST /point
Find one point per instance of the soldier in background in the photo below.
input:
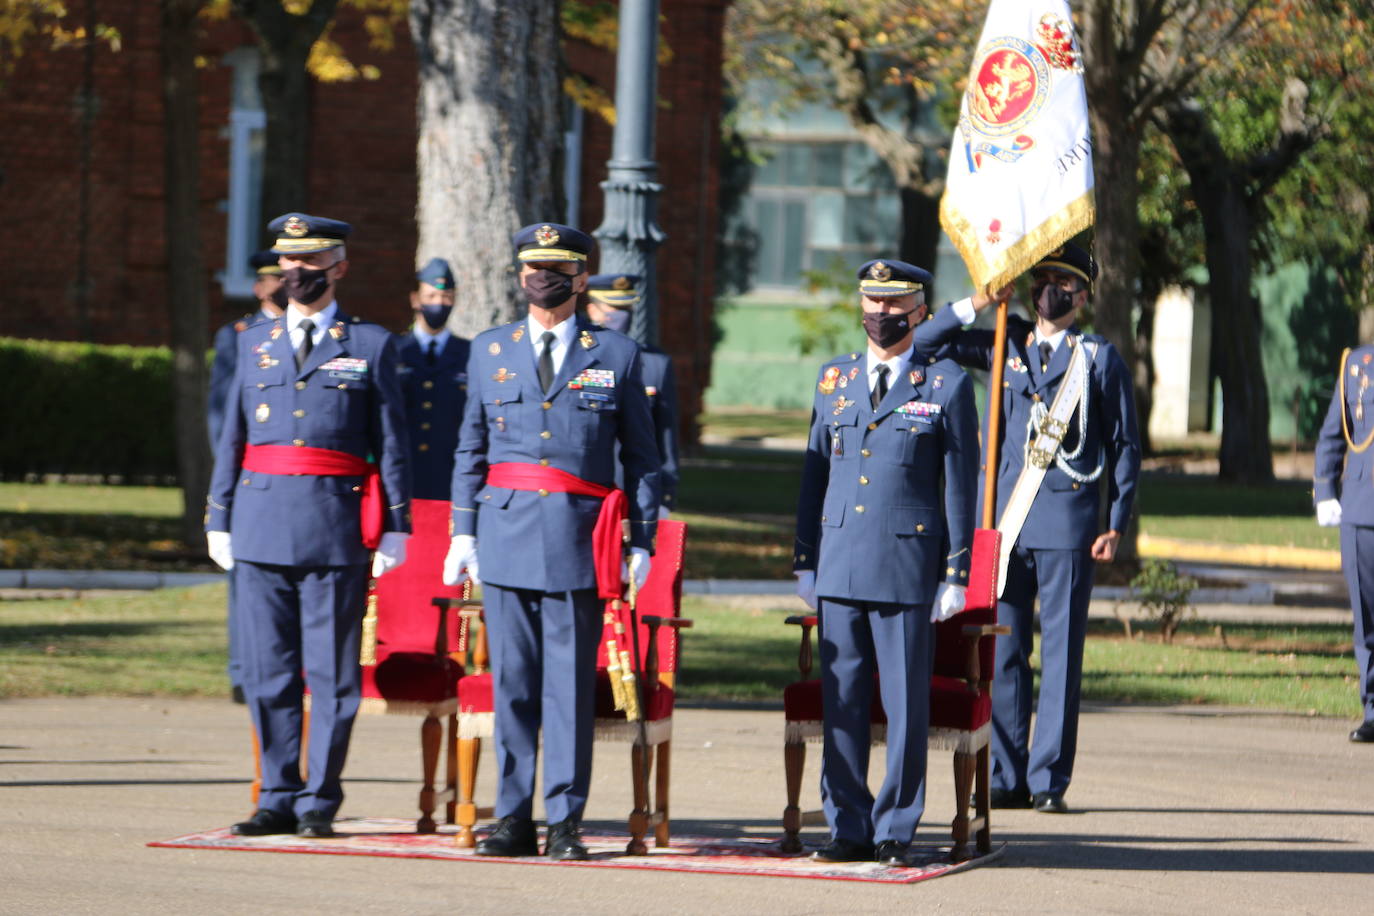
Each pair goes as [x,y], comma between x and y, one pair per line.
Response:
[1343,469]
[434,378]
[611,300]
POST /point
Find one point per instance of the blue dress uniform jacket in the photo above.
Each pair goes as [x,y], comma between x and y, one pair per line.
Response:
[222,369]
[525,540]
[1344,470]
[1051,556]
[435,397]
[657,369]
[869,518]
[346,398]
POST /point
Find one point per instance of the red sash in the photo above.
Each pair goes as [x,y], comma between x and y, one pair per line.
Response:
[512,475]
[325,462]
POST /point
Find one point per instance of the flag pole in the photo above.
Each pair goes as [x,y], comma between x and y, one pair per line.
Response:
[992,447]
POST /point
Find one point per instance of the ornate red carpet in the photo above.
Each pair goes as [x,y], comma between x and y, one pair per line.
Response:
[396,838]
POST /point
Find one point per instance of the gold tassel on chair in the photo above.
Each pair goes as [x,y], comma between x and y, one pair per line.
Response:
[367,651]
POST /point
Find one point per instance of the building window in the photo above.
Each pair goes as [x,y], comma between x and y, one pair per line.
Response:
[816,205]
[246,134]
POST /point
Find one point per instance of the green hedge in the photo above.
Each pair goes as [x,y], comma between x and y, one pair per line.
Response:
[73,408]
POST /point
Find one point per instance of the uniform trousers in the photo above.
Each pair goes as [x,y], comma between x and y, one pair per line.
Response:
[1357,561]
[899,640]
[543,663]
[298,627]
[1063,579]
[235,666]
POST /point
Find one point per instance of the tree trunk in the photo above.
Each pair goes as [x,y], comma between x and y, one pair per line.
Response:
[490,145]
[284,41]
[186,277]
[1218,187]
[921,233]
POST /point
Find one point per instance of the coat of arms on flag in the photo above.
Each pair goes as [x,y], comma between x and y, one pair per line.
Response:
[1020,172]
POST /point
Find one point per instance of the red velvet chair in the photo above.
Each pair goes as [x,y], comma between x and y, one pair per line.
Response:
[960,708]
[659,651]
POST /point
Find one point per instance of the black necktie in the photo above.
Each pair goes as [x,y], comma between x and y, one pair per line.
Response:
[880,387]
[430,353]
[1046,353]
[307,343]
[546,361]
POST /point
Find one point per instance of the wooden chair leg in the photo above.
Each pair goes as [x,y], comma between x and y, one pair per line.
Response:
[451,770]
[469,749]
[661,826]
[431,736]
[984,796]
[256,789]
[794,763]
[640,763]
[964,764]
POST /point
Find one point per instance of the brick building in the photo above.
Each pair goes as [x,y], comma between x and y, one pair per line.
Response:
[81,188]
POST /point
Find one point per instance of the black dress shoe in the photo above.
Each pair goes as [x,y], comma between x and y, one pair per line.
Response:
[838,850]
[891,852]
[1050,803]
[265,822]
[564,843]
[315,824]
[1007,798]
[512,836]
[1364,734]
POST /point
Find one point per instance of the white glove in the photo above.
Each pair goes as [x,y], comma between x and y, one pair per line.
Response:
[806,586]
[1329,513]
[217,545]
[949,600]
[462,555]
[637,566]
[390,553]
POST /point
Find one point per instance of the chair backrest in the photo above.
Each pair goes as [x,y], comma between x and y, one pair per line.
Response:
[661,596]
[406,621]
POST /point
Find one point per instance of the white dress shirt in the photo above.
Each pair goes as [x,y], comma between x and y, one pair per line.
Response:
[563,333]
[323,320]
[894,366]
[423,337]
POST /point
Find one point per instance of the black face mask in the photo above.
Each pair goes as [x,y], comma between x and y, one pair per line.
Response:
[886,330]
[617,320]
[304,284]
[436,316]
[278,296]
[548,288]
[1053,303]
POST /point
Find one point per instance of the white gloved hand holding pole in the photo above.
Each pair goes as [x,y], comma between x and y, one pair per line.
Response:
[1329,513]
[637,567]
[390,553]
[462,555]
[949,600]
[218,546]
[806,586]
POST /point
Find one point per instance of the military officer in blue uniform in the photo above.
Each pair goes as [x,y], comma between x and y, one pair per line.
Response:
[434,378]
[1343,488]
[611,300]
[267,289]
[1053,552]
[884,532]
[549,398]
[295,505]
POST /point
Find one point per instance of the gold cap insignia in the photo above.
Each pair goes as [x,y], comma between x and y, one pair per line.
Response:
[295,227]
[880,271]
[1057,253]
[546,235]
[621,283]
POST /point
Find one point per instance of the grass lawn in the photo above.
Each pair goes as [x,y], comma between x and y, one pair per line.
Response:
[172,643]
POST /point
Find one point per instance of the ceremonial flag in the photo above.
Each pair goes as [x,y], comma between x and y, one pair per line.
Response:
[1020,178]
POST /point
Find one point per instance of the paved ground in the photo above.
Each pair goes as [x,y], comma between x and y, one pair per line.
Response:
[1176,810]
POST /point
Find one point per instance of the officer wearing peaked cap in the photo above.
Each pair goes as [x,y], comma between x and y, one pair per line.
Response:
[1341,488]
[611,300]
[310,476]
[1050,525]
[873,519]
[434,378]
[267,289]
[549,399]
